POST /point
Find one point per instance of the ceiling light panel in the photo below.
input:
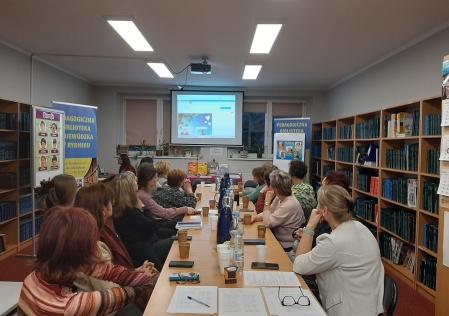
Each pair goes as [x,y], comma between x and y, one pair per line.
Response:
[264,38]
[131,34]
[251,72]
[161,69]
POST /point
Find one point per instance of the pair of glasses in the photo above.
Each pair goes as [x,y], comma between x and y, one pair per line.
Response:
[288,300]
[191,277]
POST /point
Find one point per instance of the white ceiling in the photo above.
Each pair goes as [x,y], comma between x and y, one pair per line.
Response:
[321,43]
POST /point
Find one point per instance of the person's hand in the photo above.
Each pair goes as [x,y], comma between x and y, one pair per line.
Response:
[187,186]
[254,218]
[298,233]
[269,195]
[191,211]
[148,269]
[314,219]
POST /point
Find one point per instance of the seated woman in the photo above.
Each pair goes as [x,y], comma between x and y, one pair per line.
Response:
[67,247]
[137,228]
[259,180]
[171,196]
[261,199]
[301,189]
[60,190]
[347,263]
[125,164]
[162,169]
[285,213]
[146,180]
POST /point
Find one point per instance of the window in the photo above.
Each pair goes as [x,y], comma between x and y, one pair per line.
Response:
[254,126]
[141,121]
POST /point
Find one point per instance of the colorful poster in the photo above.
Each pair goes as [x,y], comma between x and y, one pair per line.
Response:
[288,147]
[294,126]
[81,141]
[48,144]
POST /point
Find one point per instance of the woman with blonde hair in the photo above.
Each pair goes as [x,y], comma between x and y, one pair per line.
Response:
[137,227]
[350,274]
[162,169]
[61,190]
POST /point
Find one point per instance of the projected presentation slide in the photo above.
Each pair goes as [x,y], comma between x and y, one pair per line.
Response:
[206,116]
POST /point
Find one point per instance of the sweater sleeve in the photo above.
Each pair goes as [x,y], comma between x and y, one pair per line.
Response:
[254,195]
[260,203]
[279,213]
[157,210]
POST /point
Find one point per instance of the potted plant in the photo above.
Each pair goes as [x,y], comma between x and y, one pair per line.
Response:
[143,147]
[188,152]
[259,149]
[244,152]
[160,149]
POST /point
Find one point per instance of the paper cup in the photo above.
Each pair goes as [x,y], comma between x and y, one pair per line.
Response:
[205,211]
[184,250]
[247,219]
[245,201]
[213,222]
[223,263]
[222,247]
[212,204]
[182,235]
[261,252]
[261,231]
[199,195]
[202,184]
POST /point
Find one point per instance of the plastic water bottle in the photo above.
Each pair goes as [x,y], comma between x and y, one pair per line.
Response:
[224,221]
[237,246]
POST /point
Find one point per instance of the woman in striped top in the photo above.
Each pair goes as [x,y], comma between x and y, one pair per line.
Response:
[68,246]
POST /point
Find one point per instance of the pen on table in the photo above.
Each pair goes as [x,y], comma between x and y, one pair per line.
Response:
[193,299]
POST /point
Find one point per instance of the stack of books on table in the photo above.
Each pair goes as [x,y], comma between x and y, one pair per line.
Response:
[189,225]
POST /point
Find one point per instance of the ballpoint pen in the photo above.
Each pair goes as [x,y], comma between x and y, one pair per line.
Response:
[193,299]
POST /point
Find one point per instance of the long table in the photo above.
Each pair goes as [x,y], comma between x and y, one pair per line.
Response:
[203,253]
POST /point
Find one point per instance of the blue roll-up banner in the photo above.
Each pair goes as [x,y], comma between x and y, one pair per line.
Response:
[294,125]
[81,141]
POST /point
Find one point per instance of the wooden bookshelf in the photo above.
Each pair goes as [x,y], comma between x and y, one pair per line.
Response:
[398,158]
[18,133]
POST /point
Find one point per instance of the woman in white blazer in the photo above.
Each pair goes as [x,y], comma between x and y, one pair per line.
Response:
[350,274]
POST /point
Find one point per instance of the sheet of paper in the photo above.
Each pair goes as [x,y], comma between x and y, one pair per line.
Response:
[196,217]
[241,302]
[275,307]
[260,278]
[444,155]
[446,240]
[443,188]
[445,113]
[181,304]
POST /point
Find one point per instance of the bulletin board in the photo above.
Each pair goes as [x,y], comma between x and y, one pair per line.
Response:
[288,147]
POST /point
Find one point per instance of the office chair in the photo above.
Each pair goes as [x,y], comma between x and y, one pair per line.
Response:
[198,181]
[250,183]
[390,295]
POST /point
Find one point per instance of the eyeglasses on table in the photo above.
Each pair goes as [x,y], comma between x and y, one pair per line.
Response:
[288,300]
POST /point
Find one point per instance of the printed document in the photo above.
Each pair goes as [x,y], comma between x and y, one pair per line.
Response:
[201,295]
[259,278]
[241,302]
[276,309]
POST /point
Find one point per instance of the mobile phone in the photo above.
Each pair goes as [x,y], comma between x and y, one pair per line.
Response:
[264,265]
[180,264]
[254,241]
[245,210]
[174,237]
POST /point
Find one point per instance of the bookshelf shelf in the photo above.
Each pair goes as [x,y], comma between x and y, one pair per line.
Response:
[407,173]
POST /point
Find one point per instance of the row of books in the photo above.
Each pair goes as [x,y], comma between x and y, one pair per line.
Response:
[25,203]
[8,121]
[433,161]
[316,167]
[401,124]
[8,180]
[431,201]
[395,189]
[8,210]
[374,186]
[317,135]
[369,129]
[24,148]
[367,208]
[3,244]
[431,237]
[396,250]
[24,121]
[206,168]
[26,229]
[432,124]
[330,133]
[364,180]
[8,149]
[428,272]
[316,151]
[24,175]
[403,159]
[399,222]
[346,154]
[327,168]
[348,173]
[346,132]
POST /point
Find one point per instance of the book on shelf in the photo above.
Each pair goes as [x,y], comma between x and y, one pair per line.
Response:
[412,192]
[372,156]
[392,126]
[404,124]
[202,168]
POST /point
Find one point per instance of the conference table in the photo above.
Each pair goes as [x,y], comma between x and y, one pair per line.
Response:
[203,253]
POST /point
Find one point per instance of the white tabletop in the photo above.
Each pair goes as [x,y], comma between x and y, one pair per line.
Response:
[9,293]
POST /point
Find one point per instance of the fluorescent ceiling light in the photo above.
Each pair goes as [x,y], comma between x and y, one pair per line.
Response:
[131,34]
[251,71]
[161,70]
[264,38]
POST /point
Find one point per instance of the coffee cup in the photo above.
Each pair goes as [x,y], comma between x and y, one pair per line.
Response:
[182,235]
[261,231]
[184,250]
[247,219]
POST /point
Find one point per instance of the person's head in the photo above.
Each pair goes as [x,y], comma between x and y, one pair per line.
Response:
[55,143]
[43,143]
[124,186]
[162,168]
[53,127]
[336,177]
[123,160]
[146,176]
[98,199]
[266,174]
[67,244]
[337,201]
[54,161]
[258,175]
[147,160]
[267,165]
[43,161]
[42,126]
[175,178]
[281,183]
[297,169]
[60,190]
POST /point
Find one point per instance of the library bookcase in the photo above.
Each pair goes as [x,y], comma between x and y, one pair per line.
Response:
[394,185]
[15,177]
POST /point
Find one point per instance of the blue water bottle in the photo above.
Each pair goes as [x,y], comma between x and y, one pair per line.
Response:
[224,220]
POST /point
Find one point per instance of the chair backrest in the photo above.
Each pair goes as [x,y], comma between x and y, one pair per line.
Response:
[196,182]
[250,183]
[390,295]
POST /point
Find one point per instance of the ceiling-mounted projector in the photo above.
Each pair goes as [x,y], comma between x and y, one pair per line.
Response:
[200,68]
